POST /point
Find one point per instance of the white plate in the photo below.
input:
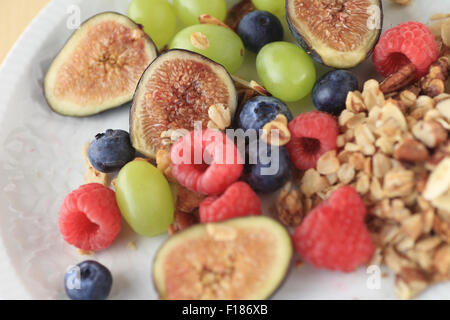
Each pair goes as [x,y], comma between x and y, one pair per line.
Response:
[40,162]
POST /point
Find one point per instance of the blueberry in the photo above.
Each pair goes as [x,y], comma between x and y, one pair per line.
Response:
[111,150]
[271,170]
[259,28]
[330,92]
[260,110]
[88,280]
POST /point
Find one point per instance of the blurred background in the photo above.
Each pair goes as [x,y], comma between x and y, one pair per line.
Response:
[15,16]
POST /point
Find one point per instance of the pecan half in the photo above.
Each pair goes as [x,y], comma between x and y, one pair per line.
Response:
[402,78]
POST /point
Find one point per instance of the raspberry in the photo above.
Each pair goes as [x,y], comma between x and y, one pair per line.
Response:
[333,235]
[206,162]
[409,42]
[90,218]
[238,200]
[313,133]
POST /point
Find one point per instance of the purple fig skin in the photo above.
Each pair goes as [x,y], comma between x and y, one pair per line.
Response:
[272,294]
[312,53]
[147,38]
[133,108]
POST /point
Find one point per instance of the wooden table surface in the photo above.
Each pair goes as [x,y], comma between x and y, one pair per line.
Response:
[15,16]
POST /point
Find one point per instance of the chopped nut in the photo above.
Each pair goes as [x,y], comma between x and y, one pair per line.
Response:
[412,226]
[365,139]
[340,141]
[433,87]
[411,150]
[445,32]
[355,102]
[357,160]
[345,116]
[442,202]
[391,111]
[199,40]
[442,228]
[444,108]
[381,165]
[164,163]
[208,19]
[425,102]
[276,132]
[432,114]
[439,181]
[352,147]
[442,260]
[431,133]
[398,183]
[328,163]
[220,117]
[429,243]
[132,245]
[82,252]
[439,16]
[332,178]
[395,261]
[410,282]
[187,200]
[289,206]
[92,175]
[386,144]
[363,184]
[259,88]
[376,191]
[400,79]
[171,136]
[312,182]
[408,98]
[442,97]
[182,220]
[372,94]
[428,220]
[357,120]
[346,173]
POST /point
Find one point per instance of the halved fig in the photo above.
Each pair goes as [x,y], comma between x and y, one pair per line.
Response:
[239,259]
[177,90]
[99,67]
[336,33]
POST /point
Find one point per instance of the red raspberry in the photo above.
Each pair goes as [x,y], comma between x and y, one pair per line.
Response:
[239,200]
[409,42]
[313,133]
[334,235]
[206,162]
[90,218]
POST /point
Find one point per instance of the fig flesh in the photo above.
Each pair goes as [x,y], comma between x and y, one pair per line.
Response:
[337,33]
[99,67]
[174,93]
[239,259]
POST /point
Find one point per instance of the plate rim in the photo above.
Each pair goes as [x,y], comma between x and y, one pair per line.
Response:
[13,287]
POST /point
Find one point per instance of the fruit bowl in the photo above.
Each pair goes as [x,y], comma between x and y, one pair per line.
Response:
[41,162]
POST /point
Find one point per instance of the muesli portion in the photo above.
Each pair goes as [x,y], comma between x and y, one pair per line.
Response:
[393,149]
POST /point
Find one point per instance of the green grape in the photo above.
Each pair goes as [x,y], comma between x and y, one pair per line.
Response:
[277,7]
[157,17]
[144,198]
[189,10]
[286,71]
[220,44]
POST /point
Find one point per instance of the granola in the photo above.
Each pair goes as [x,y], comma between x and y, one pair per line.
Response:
[394,150]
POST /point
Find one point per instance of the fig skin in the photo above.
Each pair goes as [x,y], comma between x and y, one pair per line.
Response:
[150,151]
[148,40]
[250,221]
[315,55]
